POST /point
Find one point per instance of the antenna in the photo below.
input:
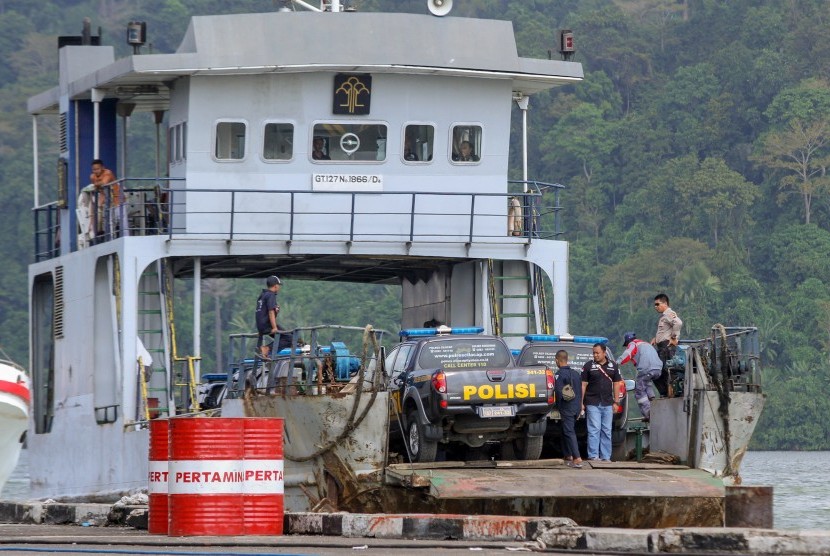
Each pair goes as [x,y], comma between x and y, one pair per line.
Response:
[439,7]
[566,44]
[136,35]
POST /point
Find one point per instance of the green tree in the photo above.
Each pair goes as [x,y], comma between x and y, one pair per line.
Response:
[801,152]
[796,150]
[793,254]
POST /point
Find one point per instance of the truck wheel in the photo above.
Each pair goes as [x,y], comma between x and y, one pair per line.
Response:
[420,449]
[528,447]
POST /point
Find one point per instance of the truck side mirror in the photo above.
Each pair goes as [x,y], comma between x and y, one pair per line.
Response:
[381,365]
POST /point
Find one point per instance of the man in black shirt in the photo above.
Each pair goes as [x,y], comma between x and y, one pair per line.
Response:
[267,310]
[569,403]
[601,383]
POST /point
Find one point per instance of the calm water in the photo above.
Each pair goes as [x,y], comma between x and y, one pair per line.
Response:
[801,489]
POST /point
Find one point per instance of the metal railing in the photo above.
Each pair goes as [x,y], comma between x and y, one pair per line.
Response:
[150,206]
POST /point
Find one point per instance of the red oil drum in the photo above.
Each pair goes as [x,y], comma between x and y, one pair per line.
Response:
[206,476]
[263,466]
[157,490]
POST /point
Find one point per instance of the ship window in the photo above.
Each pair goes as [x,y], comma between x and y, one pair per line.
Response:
[230,141]
[181,145]
[278,143]
[418,141]
[171,145]
[466,143]
[339,142]
[176,137]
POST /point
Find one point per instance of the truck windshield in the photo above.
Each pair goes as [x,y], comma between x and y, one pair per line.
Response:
[464,353]
[546,355]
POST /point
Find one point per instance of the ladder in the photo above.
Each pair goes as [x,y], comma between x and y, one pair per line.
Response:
[512,289]
[153,332]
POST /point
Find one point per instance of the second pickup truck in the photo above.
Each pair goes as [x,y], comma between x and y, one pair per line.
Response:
[460,386]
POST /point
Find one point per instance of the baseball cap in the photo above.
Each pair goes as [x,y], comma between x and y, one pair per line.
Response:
[272,281]
[628,337]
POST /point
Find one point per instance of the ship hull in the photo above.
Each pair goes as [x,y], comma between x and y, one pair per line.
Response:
[14,418]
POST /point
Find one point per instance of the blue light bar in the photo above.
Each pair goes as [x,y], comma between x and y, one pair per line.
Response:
[563,338]
[415,332]
[409,332]
[468,330]
[590,340]
[541,338]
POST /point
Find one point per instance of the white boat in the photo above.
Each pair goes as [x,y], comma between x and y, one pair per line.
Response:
[390,198]
[14,416]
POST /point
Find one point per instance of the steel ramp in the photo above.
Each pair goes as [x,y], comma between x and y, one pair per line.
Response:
[619,494]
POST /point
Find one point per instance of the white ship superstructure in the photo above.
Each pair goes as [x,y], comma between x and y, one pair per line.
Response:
[393,101]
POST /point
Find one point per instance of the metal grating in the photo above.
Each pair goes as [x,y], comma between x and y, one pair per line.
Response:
[58,314]
[62,138]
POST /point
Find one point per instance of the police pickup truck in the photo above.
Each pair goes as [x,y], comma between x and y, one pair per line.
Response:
[458,386]
[540,349]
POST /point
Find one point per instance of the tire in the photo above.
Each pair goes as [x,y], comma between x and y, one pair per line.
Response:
[528,447]
[420,449]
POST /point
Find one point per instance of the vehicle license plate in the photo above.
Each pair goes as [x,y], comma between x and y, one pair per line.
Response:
[496,411]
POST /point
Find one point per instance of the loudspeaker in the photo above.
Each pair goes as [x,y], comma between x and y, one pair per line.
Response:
[439,7]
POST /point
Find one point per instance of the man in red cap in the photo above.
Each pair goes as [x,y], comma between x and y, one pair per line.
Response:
[649,367]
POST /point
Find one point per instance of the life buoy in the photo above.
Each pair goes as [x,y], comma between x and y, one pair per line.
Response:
[86,232]
[514,217]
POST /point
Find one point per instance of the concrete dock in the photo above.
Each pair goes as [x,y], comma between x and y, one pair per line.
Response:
[54,526]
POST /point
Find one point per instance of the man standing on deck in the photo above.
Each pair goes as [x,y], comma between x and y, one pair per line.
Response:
[601,385]
[649,368]
[267,310]
[666,339]
[569,403]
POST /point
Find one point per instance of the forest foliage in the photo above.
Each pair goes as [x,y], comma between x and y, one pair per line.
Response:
[695,155]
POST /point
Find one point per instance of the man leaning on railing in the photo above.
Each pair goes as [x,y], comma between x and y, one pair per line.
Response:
[102,179]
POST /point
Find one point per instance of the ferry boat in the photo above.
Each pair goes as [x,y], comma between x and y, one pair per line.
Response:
[14,416]
[378,154]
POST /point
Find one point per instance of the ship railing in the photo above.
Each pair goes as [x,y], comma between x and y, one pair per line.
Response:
[731,357]
[529,210]
[351,216]
[127,207]
[311,367]
[540,203]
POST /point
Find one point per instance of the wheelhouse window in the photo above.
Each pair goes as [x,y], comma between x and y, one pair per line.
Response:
[418,140]
[342,142]
[230,141]
[466,143]
[278,141]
